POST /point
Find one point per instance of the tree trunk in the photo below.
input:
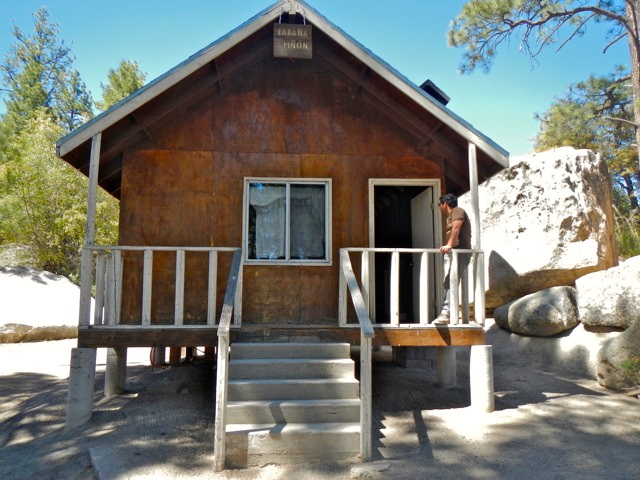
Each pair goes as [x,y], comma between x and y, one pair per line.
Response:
[633,14]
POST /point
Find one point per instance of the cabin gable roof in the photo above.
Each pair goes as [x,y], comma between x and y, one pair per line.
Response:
[124,123]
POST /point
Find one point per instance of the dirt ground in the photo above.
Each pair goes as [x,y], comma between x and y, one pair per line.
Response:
[546,425]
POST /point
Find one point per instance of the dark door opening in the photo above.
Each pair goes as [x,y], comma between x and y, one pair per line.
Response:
[403,217]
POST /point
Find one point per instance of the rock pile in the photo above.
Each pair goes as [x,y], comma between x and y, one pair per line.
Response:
[547,230]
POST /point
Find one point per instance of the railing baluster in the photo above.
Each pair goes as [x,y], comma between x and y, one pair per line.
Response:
[147,279]
[118,267]
[464,292]
[179,297]
[394,287]
[454,296]
[424,288]
[364,279]
[479,300]
[237,299]
[342,297]
[212,288]
[111,290]
[98,305]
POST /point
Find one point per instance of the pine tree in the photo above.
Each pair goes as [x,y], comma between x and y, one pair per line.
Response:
[123,81]
[38,73]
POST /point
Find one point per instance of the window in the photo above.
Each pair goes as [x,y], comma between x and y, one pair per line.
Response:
[287,221]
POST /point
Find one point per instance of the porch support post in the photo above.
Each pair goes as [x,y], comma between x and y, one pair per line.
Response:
[479,293]
[481,377]
[86,269]
[116,371]
[446,367]
[82,370]
[82,375]
[159,355]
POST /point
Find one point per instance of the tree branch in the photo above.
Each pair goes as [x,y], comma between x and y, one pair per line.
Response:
[621,120]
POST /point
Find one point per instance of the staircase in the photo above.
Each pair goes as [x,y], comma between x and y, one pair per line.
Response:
[291,403]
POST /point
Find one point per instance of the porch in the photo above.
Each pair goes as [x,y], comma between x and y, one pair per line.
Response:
[101,326]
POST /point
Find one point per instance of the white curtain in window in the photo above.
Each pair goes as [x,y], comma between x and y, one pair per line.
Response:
[269,202]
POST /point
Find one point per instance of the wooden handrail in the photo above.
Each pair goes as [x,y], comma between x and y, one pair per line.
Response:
[348,280]
[222,364]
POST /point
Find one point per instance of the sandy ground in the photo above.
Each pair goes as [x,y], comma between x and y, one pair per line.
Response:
[546,425]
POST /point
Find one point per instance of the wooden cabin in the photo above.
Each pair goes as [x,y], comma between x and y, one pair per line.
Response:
[292,146]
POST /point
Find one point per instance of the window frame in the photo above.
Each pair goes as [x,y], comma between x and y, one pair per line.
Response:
[287,182]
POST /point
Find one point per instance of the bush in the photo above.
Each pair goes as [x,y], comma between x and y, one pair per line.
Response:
[627,232]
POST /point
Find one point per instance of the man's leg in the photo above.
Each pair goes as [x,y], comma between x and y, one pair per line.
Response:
[443,318]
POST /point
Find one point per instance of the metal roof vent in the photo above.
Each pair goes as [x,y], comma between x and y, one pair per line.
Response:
[435,92]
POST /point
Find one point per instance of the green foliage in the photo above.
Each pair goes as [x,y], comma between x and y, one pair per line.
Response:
[483,25]
[598,114]
[45,200]
[123,81]
[627,233]
[632,366]
[38,73]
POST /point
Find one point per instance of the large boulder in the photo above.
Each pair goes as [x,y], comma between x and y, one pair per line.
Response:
[618,361]
[611,298]
[545,221]
[541,314]
[36,305]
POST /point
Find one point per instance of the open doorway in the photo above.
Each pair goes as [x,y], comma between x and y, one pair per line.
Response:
[402,214]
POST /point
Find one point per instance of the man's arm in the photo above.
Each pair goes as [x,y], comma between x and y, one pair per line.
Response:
[456,226]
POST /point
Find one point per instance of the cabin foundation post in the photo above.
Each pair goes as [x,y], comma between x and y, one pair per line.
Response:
[175,355]
[115,375]
[159,355]
[82,374]
[446,367]
[481,378]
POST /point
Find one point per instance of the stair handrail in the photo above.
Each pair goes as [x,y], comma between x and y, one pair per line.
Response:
[366,339]
[222,363]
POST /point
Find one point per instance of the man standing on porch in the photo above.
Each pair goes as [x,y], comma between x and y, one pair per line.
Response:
[458,236]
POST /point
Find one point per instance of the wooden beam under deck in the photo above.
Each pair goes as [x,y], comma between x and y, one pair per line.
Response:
[170,336]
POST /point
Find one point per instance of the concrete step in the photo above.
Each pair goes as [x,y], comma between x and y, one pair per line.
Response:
[250,445]
[285,368]
[290,350]
[293,389]
[293,411]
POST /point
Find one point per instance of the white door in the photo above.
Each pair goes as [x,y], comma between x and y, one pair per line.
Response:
[423,236]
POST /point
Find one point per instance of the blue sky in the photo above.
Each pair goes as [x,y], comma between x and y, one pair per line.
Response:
[410,35]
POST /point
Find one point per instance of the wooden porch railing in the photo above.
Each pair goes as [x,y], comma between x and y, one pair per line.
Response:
[106,274]
[430,288]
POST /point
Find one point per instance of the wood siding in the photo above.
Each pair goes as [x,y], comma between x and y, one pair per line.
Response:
[183,185]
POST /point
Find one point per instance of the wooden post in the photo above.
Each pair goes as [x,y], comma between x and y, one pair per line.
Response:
[366,397]
[86,266]
[479,293]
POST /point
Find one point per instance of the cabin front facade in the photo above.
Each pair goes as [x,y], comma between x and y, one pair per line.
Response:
[289,155]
